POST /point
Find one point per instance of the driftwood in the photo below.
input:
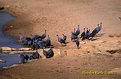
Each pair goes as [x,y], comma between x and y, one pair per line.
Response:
[9,50]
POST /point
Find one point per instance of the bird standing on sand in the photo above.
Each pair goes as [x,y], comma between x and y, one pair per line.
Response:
[48,42]
[64,37]
[48,53]
[77,43]
[43,35]
[77,31]
[87,35]
[96,30]
[61,40]
[73,36]
[83,34]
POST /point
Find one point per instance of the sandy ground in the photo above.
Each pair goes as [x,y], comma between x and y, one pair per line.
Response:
[61,16]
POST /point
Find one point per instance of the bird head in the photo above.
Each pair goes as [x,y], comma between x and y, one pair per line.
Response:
[74,30]
[84,29]
[20,34]
[98,24]
[78,26]
[88,29]
[45,31]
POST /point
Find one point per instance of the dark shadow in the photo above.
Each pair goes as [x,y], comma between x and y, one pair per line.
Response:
[100,35]
[2,8]
[64,45]
[67,42]
[93,39]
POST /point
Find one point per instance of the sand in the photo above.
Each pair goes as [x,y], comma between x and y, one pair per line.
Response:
[61,16]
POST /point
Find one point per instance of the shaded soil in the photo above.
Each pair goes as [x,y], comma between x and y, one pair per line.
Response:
[61,16]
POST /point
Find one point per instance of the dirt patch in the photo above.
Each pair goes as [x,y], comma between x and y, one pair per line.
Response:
[57,17]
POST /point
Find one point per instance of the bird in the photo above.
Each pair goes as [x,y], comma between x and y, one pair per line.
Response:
[41,44]
[30,42]
[61,40]
[83,34]
[35,55]
[96,30]
[73,36]
[43,35]
[26,57]
[24,40]
[49,53]
[77,31]
[74,33]
[34,37]
[64,37]
[36,46]
[22,58]
[77,43]
[48,42]
[87,34]
[93,33]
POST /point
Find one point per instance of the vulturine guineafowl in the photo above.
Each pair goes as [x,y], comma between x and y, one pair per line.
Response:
[96,30]
[77,32]
[83,35]
[64,37]
[61,40]
[77,43]
[48,42]
[73,36]
[49,53]
[43,35]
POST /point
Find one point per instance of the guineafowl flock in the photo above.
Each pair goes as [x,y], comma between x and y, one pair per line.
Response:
[39,42]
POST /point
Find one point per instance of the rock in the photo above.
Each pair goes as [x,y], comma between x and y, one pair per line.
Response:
[6,48]
[56,52]
[102,54]
[113,51]
[40,51]
[63,53]
[24,49]
[13,49]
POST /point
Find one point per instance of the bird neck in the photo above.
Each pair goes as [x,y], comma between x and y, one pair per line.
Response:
[74,30]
